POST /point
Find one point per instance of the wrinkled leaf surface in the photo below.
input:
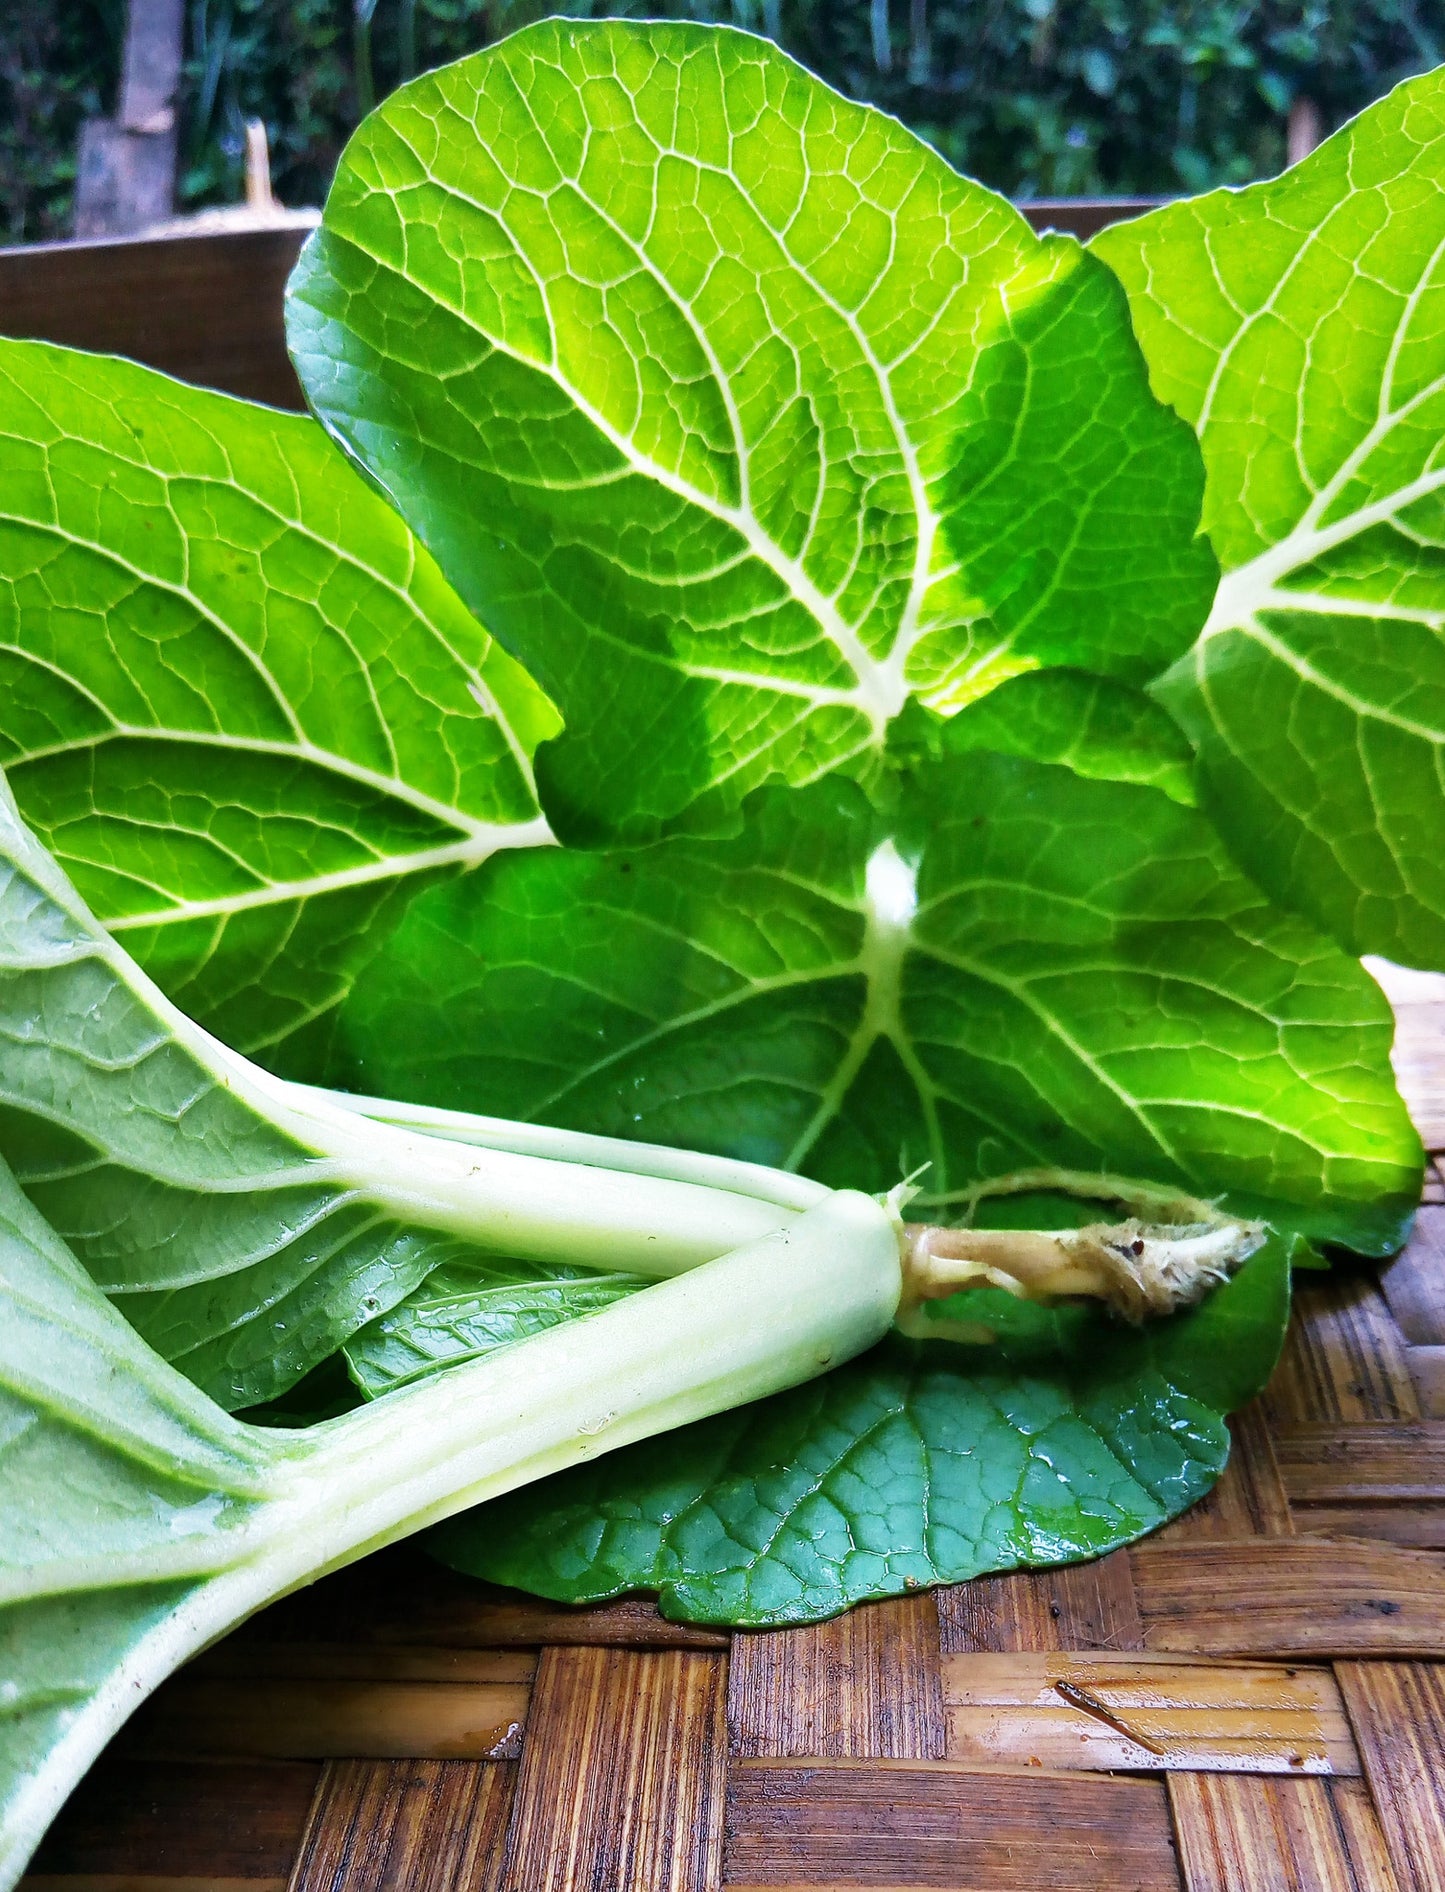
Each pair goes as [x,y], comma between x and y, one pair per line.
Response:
[1299,325]
[737,415]
[237,699]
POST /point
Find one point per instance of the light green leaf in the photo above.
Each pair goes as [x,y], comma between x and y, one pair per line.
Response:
[463,1312]
[1029,970]
[237,699]
[916,1464]
[227,1240]
[123,1489]
[739,416]
[1092,725]
[1300,326]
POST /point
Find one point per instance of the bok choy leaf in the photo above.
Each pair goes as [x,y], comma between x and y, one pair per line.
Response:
[739,417]
[1297,326]
[237,699]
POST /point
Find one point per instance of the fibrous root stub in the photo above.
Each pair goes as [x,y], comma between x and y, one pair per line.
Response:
[1140,1270]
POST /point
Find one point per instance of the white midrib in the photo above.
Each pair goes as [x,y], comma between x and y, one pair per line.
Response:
[889,911]
[479,846]
[877,694]
[874,693]
[880,690]
[1258,586]
[890,673]
[891,901]
[887,915]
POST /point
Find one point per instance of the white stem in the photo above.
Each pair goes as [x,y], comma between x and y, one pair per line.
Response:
[533,1208]
[778,1186]
[530,1207]
[771,1315]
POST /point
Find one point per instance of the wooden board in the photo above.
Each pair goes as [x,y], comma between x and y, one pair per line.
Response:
[205,308]
[208,307]
[1253,1698]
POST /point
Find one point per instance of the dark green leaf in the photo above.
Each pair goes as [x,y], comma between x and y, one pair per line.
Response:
[462,1312]
[917,1464]
[1092,725]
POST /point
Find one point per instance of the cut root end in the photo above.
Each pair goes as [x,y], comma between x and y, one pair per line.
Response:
[1140,1270]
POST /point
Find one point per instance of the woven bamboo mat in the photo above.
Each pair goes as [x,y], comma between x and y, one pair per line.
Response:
[1252,1699]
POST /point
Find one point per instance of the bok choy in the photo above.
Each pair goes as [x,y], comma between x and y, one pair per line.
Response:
[142,1521]
[724,730]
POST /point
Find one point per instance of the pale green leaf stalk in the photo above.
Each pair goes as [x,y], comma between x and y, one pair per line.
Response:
[139,1522]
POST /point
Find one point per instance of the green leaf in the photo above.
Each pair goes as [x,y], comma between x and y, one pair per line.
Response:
[1092,725]
[916,1464]
[463,1312]
[248,1226]
[123,1489]
[738,414]
[1300,327]
[237,698]
[1029,970]
[209,1221]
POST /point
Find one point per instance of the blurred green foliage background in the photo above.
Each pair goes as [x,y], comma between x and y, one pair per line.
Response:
[59,61]
[1037,97]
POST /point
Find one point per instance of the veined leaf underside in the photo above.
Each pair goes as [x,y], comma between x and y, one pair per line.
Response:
[734,404]
[236,696]
[1297,324]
